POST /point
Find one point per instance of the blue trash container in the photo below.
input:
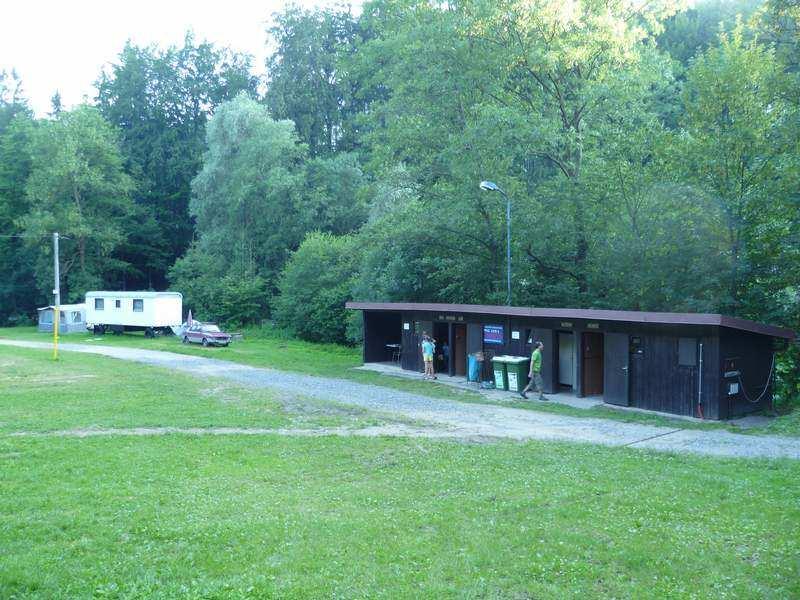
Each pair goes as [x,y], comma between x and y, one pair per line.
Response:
[473,370]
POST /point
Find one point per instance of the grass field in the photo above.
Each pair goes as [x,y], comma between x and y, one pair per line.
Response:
[267,347]
[289,517]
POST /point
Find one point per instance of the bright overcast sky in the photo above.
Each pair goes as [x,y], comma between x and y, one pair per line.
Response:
[64,45]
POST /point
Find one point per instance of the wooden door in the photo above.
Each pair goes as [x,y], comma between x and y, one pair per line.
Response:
[409,353]
[615,369]
[592,363]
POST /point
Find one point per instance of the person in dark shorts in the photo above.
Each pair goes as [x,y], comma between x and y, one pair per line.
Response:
[535,373]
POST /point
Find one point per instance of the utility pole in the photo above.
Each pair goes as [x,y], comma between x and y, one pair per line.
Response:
[57,294]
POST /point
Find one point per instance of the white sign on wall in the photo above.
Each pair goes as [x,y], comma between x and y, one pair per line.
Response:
[515,335]
[406,326]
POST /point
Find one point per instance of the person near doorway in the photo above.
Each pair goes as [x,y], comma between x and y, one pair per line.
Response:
[446,356]
[535,373]
[428,349]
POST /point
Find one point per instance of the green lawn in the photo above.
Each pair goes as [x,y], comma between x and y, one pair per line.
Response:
[80,390]
[286,517]
[262,347]
[267,347]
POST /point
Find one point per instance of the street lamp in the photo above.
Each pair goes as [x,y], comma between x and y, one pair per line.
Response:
[491,186]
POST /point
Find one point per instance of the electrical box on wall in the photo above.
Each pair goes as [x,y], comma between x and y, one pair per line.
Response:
[733,389]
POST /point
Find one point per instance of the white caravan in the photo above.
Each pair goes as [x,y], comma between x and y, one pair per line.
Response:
[133,311]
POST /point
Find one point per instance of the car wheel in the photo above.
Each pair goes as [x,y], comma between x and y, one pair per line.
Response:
[185,339]
[205,343]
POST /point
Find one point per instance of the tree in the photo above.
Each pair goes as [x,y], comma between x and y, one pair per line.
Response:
[161,101]
[739,147]
[309,82]
[314,287]
[77,186]
[691,32]
[17,301]
[246,195]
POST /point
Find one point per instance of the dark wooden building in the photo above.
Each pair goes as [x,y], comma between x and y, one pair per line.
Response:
[686,364]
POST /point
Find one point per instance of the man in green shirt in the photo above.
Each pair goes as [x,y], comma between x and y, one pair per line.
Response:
[535,373]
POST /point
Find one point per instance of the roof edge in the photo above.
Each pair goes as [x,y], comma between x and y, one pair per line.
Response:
[662,318]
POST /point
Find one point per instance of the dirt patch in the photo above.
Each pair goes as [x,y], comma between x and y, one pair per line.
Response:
[46,380]
[391,430]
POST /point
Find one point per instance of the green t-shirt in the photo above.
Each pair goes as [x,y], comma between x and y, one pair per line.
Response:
[536,361]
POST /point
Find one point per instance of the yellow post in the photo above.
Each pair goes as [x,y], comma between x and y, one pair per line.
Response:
[56,296]
[56,313]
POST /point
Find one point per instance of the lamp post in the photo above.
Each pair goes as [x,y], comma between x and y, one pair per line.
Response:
[491,186]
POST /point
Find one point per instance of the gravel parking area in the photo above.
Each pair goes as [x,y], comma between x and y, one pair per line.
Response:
[456,419]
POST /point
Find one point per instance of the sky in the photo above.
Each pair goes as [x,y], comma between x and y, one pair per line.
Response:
[64,45]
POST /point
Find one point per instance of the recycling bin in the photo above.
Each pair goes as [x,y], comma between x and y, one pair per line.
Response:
[500,373]
[517,371]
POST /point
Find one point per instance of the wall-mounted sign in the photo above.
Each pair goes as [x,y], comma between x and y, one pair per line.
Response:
[593,326]
[493,334]
[406,326]
[515,335]
[566,324]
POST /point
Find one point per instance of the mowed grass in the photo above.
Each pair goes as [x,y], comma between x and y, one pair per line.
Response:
[85,391]
[273,516]
[228,517]
[262,347]
[271,348]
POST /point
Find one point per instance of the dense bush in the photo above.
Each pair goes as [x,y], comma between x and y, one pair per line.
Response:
[213,295]
[314,287]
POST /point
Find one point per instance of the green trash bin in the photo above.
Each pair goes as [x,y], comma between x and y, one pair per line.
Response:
[500,373]
[517,370]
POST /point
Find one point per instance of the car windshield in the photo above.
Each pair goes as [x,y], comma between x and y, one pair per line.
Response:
[210,328]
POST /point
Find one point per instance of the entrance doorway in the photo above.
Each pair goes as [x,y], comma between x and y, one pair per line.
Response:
[566,359]
[592,363]
[459,350]
[441,333]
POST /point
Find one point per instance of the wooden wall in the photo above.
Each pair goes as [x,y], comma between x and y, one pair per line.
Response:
[656,380]
[753,355]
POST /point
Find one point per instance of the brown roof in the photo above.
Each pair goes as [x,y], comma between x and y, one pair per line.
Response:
[627,316]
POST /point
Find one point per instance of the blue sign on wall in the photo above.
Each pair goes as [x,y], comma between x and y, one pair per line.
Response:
[493,334]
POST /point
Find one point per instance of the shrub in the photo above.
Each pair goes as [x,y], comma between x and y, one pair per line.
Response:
[314,286]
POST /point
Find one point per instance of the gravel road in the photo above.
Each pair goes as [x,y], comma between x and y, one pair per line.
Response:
[457,419]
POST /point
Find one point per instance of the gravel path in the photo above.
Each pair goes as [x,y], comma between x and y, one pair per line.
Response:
[458,419]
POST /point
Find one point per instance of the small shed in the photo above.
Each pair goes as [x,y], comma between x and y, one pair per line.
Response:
[71,320]
[707,365]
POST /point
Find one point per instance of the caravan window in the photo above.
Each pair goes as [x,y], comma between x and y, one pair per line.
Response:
[138,305]
[76,316]
[98,304]
[117,303]
[47,317]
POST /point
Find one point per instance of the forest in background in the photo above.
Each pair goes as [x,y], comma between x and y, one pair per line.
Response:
[650,151]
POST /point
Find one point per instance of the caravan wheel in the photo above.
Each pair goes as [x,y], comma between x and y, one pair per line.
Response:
[149,333]
[99,329]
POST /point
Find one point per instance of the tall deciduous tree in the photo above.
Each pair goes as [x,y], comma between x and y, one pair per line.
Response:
[309,82]
[740,148]
[77,186]
[161,101]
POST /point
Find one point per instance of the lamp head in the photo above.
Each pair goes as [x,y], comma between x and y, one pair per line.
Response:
[489,186]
